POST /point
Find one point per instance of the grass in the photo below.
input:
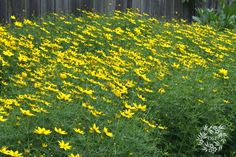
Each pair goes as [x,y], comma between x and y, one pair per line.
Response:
[119,85]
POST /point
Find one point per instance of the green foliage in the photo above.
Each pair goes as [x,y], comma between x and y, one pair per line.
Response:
[185,118]
[223,17]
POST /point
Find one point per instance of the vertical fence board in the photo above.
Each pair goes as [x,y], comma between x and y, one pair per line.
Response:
[118,4]
[26,8]
[43,7]
[178,9]
[58,6]
[3,11]
[149,6]
[110,6]
[34,6]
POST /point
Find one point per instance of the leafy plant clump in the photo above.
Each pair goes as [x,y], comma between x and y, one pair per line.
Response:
[223,17]
[118,85]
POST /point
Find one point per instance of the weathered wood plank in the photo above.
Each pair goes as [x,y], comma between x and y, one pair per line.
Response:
[110,6]
[43,7]
[118,5]
[178,9]
[34,6]
[3,11]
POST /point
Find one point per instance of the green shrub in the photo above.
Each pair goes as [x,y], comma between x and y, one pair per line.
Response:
[223,17]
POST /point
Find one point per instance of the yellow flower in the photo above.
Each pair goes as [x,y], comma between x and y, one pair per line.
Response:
[109,134]
[14,153]
[2,119]
[8,53]
[148,123]
[137,31]
[78,130]
[161,127]
[185,77]
[24,74]
[28,22]
[175,65]
[13,17]
[8,152]
[148,90]
[161,90]
[214,90]
[127,113]
[226,77]
[118,31]
[67,22]
[65,97]
[26,112]
[200,101]
[140,107]
[216,75]
[223,71]
[60,131]
[18,24]
[94,128]
[108,36]
[129,106]
[74,155]
[226,101]
[37,85]
[4,150]
[63,145]
[44,145]
[22,58]
[141,97]
[42,131]
[63,75]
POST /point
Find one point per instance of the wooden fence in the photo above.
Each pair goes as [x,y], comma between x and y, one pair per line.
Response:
[157,8]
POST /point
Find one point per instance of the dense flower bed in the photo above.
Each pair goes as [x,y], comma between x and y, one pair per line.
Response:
[119,85]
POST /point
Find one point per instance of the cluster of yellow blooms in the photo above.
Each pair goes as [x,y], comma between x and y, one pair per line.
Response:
[99,67]
[6,151]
